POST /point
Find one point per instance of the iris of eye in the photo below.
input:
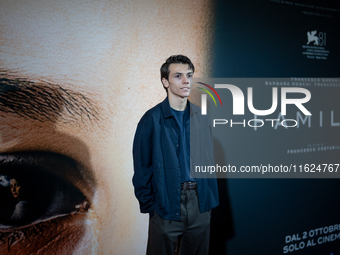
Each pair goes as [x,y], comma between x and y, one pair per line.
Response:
[34,193]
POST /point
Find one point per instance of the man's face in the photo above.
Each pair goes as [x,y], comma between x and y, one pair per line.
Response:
[76,77]
[179,81]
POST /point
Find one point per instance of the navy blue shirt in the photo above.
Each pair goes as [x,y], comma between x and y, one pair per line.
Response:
[184,144]
[157,172]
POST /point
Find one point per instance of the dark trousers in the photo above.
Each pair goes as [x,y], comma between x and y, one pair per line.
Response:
[193,230]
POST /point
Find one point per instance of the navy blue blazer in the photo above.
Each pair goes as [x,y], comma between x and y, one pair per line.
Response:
[157,175]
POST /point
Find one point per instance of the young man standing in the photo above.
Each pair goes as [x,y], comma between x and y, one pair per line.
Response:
[179,204]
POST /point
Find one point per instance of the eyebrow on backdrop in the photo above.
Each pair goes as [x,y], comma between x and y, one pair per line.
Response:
[44,101]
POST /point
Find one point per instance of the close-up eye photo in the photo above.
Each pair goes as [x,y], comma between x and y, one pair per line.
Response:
[41,193]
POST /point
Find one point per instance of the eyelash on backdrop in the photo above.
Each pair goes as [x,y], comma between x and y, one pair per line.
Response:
[51,186]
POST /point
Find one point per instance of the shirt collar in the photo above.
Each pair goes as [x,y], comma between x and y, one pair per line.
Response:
[166,109]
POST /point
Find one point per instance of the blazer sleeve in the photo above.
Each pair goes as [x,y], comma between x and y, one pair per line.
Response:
[143,171]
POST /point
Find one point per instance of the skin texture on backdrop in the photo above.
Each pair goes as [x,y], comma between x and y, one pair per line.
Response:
[76,76]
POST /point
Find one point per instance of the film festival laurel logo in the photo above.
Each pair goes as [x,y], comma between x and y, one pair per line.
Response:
[239,102]
[315,47]
[313,38]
